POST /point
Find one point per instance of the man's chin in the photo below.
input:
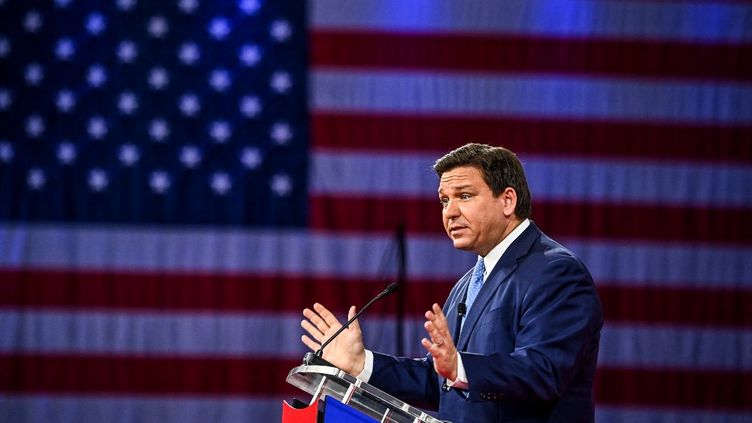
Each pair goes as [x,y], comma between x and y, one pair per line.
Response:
[461,244]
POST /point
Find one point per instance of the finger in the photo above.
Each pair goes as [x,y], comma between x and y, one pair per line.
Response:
[426,344]
[437,310]
[433,334]
[327,315]
[436,350]
[312,330]
[315,319]
[439,318]
[310,343]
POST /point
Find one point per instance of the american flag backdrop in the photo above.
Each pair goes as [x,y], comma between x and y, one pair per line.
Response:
[178,179]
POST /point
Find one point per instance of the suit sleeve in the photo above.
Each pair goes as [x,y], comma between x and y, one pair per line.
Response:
[411,380]
[559,317]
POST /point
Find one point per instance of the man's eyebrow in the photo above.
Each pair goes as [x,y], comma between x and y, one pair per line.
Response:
[456,188]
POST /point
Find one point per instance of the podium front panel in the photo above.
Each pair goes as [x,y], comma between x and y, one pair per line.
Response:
[325,381]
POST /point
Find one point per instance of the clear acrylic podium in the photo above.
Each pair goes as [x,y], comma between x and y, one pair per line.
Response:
[323,381]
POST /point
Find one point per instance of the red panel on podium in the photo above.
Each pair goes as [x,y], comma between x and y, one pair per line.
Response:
[291,414]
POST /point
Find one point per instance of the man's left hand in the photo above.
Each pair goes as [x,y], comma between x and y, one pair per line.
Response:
[440,344]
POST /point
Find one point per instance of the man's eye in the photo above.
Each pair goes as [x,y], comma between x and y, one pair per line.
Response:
[465,196]
[444,202]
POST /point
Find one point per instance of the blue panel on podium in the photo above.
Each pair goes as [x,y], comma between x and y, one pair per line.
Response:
[336,412]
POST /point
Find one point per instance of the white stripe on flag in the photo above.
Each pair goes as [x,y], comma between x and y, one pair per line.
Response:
[468,94]
[685,21]
[651,346]
[202,334]
[598,180]
[327,254]
[278,336]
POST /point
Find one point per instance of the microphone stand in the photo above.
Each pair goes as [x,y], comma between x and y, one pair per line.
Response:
[316,359]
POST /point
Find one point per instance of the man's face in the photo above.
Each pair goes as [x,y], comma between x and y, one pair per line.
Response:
[473,218]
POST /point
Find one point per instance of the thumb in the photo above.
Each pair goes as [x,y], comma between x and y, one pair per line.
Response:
[350,314]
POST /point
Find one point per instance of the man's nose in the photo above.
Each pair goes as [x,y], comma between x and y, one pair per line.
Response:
[451,210]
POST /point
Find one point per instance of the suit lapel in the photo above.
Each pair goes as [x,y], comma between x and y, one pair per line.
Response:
[505,267]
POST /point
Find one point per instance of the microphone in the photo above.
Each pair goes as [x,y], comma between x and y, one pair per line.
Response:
[461,310]
[316,359]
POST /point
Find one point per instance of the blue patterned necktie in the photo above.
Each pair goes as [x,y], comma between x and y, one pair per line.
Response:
[476,281]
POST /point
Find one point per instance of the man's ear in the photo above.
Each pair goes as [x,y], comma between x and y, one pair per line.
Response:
[509,201]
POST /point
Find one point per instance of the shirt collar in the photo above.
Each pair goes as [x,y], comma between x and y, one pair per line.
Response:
[493,256]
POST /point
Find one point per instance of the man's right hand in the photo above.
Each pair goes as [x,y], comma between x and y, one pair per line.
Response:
[347,350]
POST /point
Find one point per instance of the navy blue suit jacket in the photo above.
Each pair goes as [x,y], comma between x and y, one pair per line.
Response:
[529,345]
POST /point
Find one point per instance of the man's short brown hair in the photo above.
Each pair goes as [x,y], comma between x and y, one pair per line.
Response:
[499,166]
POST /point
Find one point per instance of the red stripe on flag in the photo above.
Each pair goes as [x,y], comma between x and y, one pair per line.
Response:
[529,54]
[165,292]
[99,374]
[559,219]
[676,306]
[640,140]
[93,290]
[178,375]
[680,388]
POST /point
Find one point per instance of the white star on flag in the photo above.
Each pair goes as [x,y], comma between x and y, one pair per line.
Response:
[219,28]
[250,54]
[6,99]
[280,30]
[32,21]
[250,157]
[158,26]
[189,104]
[95,23]
[97,127]
[220,183]
[158,78]
[128,155]
[64,49]
[34,126]
[190,156]
[6,151]
[66,153]
[281,185]
[34,74]
[249,7]
[219,79]
[250,106]
[127,103]
[220,131]
[96,76]
[281,133]
[159,129]
[281,82]
[189,53]
[126,5]
[65,101]
[4,46]
[159,181]
[98,180]
[127,51]
[36,178]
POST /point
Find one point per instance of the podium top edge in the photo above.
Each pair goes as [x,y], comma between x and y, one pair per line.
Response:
[324,370]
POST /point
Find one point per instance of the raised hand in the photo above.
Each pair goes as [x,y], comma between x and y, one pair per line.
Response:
[346,351]
[440,344]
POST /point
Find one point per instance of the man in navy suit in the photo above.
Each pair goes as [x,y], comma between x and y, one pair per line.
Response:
[517,339]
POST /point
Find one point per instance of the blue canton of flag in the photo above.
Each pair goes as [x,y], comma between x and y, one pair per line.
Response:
[142,112]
